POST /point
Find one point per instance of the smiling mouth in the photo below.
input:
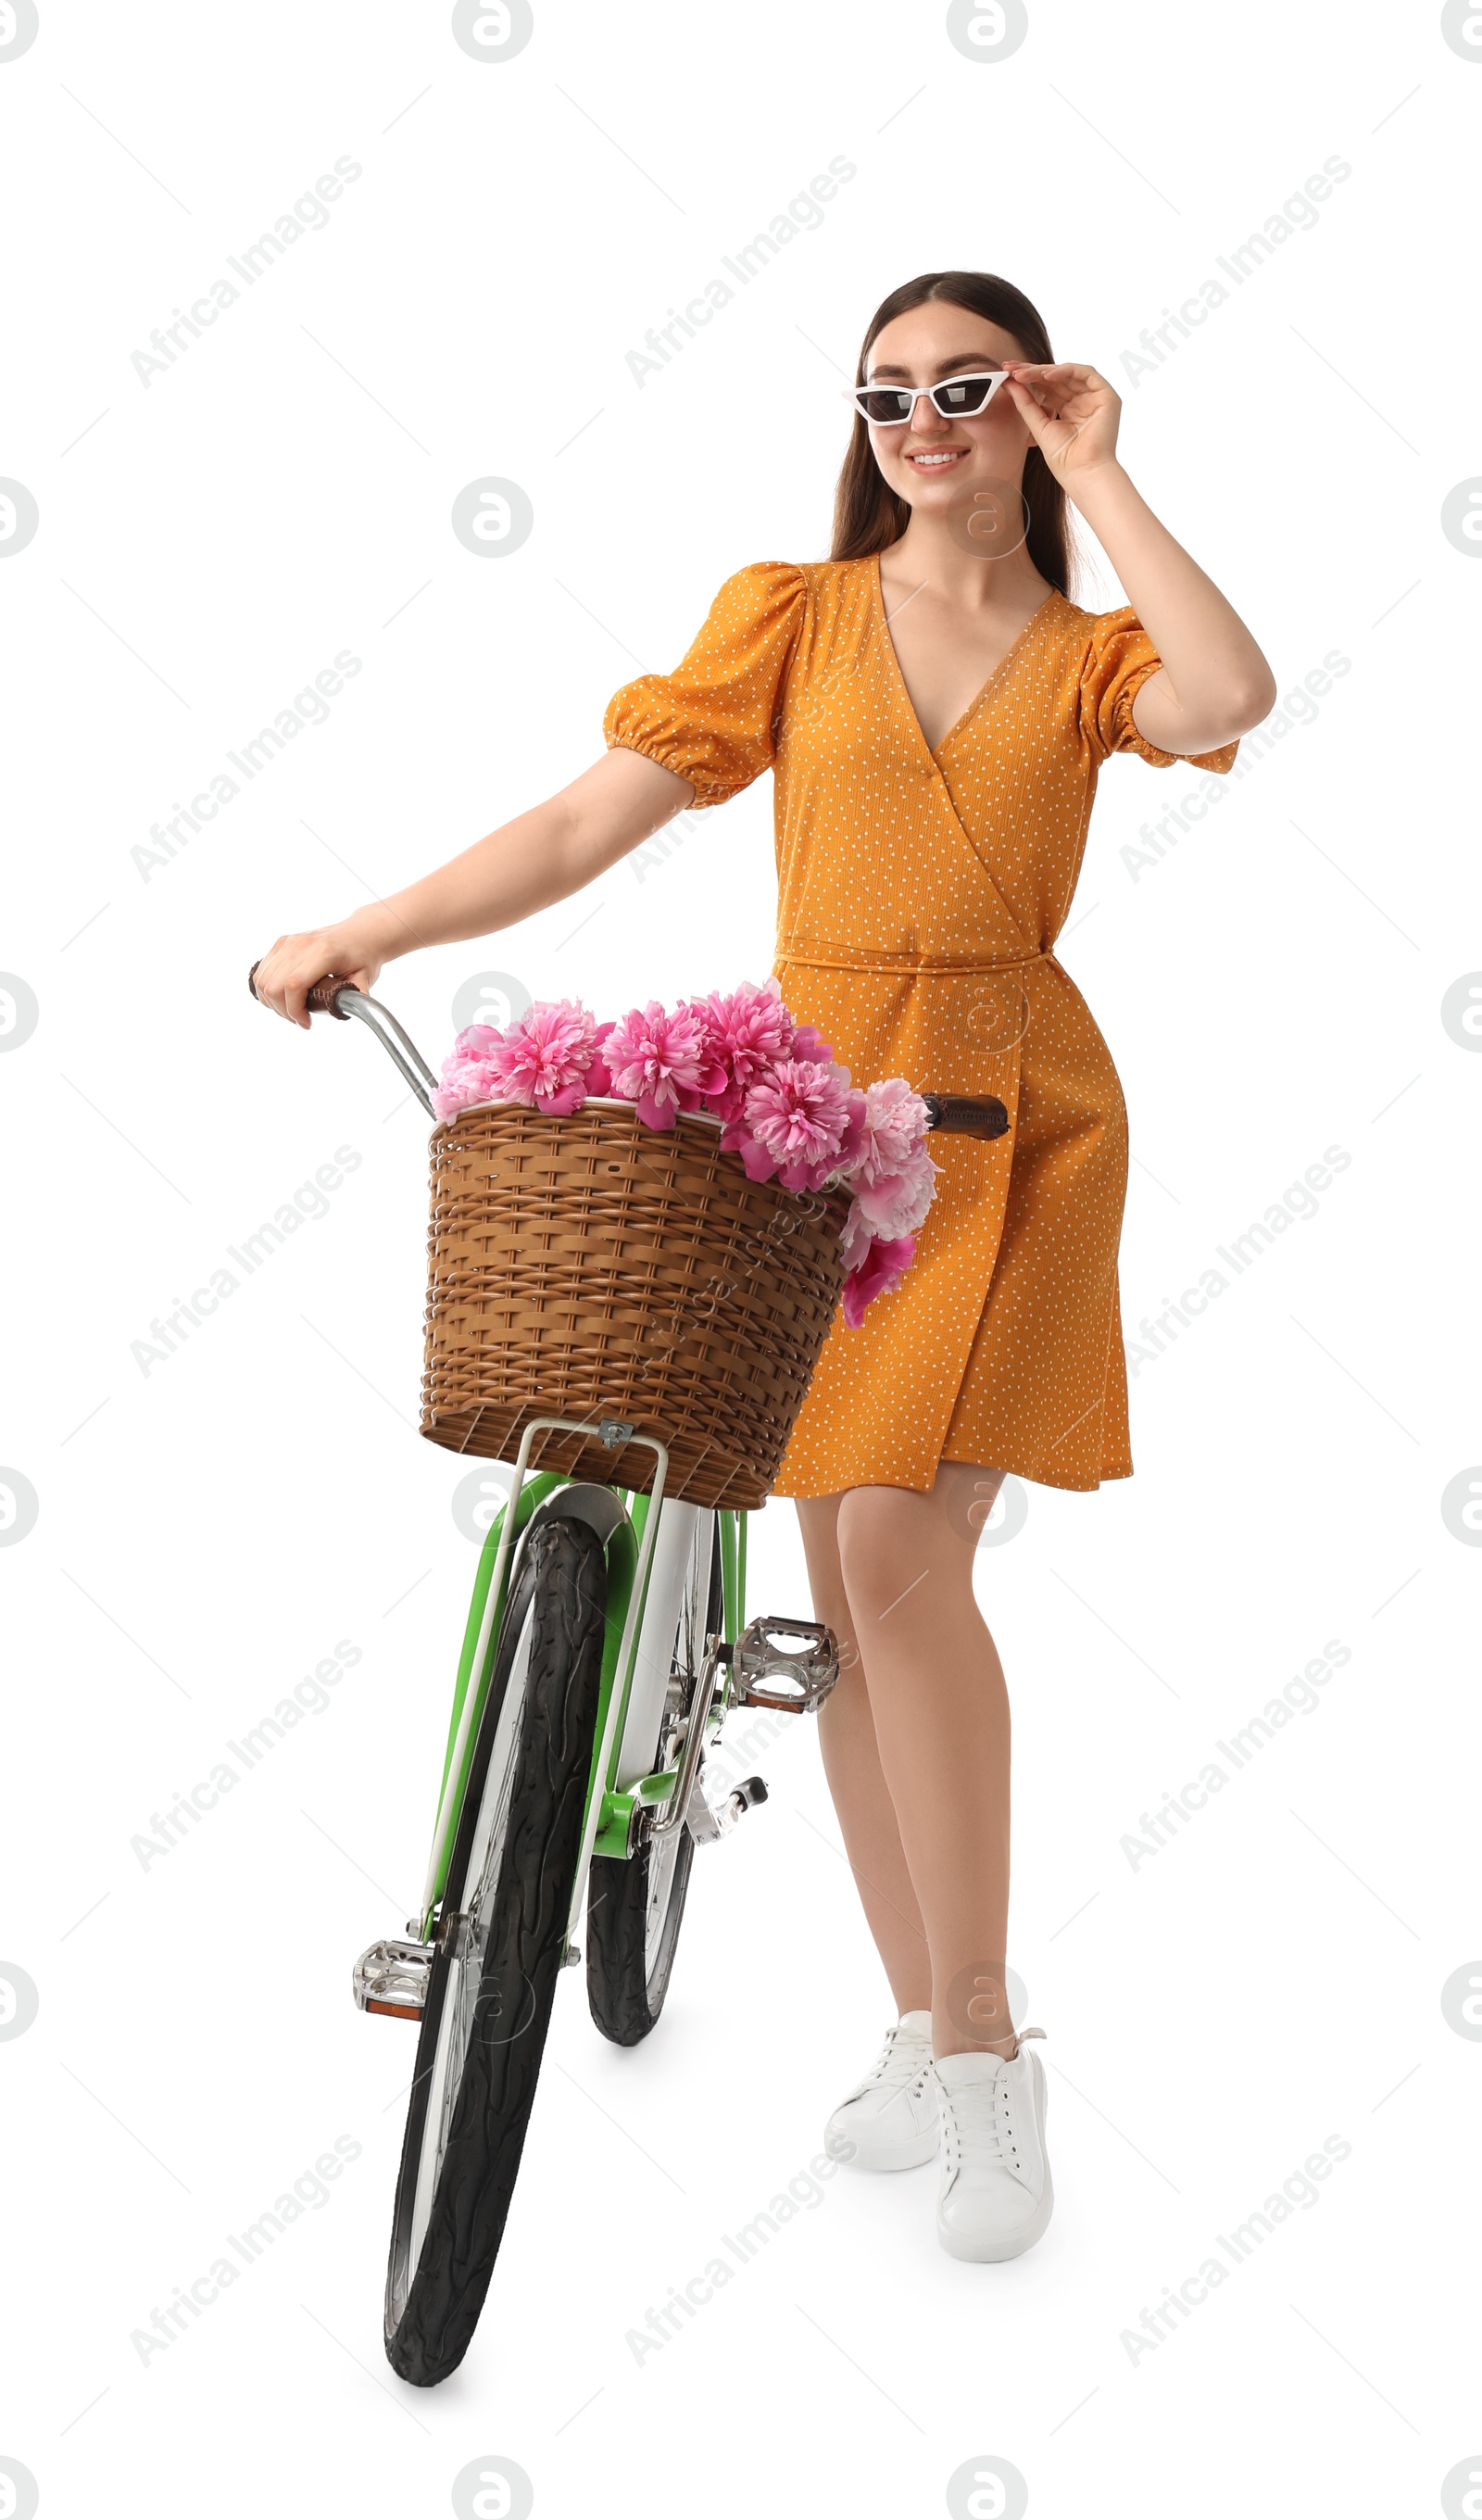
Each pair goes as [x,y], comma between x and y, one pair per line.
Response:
[938,459]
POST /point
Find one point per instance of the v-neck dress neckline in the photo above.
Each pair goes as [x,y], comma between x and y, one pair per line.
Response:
[1009,658]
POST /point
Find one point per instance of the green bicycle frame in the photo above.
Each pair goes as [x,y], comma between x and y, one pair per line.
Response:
[623,1550]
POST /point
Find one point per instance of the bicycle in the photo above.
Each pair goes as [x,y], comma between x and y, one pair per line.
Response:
[606,1643]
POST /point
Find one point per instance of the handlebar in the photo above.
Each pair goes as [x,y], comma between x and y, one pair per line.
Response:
[960,1115]
[323,998]
[967,1115]
[334,997]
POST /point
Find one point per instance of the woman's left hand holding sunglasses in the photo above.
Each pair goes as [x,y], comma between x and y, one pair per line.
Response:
[1071,412]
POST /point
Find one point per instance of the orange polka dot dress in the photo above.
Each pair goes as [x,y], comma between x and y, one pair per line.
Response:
[920,895]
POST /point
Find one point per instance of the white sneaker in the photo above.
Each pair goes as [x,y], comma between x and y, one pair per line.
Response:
[889,2120]
[995,2196]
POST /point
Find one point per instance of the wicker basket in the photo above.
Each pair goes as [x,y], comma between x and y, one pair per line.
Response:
[592,1268]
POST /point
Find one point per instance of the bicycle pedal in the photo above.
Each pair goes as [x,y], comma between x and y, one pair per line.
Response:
[803,1677]
[392,1978]
[711,1821]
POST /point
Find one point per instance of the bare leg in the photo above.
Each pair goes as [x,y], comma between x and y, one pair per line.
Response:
[856,1782]
[940,1733]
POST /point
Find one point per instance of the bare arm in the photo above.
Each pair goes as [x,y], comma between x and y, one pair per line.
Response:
[1215,683]
[541,857]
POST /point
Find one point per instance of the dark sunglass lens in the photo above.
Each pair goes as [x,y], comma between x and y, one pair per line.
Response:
[886,403]
[961,395]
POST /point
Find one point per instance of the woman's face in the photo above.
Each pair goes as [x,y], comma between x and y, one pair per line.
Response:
[931,462]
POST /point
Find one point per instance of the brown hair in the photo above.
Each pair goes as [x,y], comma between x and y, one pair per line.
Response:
[868,516]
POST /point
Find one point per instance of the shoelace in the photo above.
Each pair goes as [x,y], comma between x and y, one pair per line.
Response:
[971,2115]
[906,2057]
[978,2112]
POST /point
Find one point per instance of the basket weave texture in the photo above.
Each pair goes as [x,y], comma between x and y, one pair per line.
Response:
[591,1267]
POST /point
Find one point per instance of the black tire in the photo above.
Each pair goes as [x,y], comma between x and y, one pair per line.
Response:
[635,1908]
[492,1984]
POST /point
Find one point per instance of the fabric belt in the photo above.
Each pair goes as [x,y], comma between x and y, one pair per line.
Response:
[843,957]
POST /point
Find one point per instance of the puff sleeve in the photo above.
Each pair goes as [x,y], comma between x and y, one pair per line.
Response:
[712,719]
[1119,660]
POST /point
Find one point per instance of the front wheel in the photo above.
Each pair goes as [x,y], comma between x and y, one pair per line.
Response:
[499,1936]
[635,1906]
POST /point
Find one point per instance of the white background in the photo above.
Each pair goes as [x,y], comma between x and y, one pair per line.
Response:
[208,1530]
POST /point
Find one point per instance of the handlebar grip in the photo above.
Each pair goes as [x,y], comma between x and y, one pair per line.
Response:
[320,1000]
[967,1115]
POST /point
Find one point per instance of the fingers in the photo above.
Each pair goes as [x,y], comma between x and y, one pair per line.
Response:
[264,980]
[271,977]
[1054,368]
[285,976]
[296,999]
[1029,408]
[1059,385]
[297,963]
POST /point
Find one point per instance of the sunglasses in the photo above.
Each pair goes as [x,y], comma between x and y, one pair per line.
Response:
[955,398]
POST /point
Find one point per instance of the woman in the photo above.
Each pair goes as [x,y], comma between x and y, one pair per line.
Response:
[935,708]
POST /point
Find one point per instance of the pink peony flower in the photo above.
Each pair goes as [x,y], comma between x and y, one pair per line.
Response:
[544,1058]
[747,1034]
[662,1062]
[547,1058]
[466,1076]
[892,1126]
[883,1160]
[464,1081]
[880,1272]
[794,1124]
[896,1203]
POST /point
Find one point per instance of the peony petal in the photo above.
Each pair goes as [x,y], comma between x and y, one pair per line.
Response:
[560,1107]
[760,1163]
[880,1272]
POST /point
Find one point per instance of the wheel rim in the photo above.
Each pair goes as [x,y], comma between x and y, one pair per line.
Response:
[664,1857]
[465,1964]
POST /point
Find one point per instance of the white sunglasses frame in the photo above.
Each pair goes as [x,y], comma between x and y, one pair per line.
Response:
[969,376]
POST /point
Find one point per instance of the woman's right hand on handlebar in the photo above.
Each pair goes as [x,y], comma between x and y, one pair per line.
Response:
[285,976]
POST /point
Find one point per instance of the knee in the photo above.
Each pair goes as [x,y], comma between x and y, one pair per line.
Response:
[883,1548]
[831,1605]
